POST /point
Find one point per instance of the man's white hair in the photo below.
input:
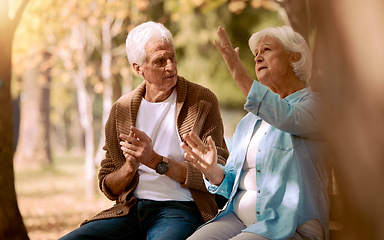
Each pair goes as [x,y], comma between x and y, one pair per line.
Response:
[139,36]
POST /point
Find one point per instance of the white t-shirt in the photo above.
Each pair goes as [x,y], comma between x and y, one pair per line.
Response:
[158,121]
[246,196]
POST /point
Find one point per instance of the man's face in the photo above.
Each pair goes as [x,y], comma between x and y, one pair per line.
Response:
[160,66]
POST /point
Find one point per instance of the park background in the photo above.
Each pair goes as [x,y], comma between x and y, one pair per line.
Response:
[63,64]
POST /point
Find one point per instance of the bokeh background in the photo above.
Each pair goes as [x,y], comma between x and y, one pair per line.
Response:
[63,64]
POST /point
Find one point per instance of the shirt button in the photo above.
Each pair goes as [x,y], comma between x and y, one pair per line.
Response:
[265,133]
[258,191]
[258,212]
[258,171]
[259,150]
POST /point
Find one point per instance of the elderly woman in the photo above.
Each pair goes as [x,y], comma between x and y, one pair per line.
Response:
[276,175]
[158,194]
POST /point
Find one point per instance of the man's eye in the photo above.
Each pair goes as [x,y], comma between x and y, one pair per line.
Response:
[160,61]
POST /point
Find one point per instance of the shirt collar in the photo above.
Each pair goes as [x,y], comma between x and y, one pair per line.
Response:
[299,94]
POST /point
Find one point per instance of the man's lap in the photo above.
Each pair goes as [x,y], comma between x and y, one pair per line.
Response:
[157,220]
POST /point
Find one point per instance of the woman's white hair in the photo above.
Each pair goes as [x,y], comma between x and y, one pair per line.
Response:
[292,42]
[139,36]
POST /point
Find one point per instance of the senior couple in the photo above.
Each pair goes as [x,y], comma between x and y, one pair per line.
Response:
[166,156]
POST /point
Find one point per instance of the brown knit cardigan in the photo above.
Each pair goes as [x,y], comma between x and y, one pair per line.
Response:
[197,110]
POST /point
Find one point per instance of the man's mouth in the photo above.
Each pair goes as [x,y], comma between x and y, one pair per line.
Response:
[171,76]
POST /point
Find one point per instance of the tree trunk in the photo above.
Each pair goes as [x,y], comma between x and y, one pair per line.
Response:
[298,15]
[85,111]
[11,222]
[34,141]
[106,64]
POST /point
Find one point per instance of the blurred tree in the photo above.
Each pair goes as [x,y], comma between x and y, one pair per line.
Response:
[34,138]
[33,62]
[80,47]
[351,56]
[11,223]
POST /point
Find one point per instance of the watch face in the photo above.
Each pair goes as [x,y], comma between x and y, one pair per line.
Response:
[162,168]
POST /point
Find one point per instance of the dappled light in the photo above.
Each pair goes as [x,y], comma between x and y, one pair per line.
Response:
[63,64]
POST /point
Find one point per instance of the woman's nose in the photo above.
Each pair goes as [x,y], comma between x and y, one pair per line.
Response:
[258,58]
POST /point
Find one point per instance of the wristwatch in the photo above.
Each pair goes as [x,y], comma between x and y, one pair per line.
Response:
[162,167]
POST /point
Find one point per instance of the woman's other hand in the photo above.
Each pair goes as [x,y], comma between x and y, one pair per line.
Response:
[203,157]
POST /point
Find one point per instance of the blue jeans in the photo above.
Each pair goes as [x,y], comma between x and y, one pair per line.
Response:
[152,220]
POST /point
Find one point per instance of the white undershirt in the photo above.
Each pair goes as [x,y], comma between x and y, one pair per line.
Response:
[246,196]
[158,121]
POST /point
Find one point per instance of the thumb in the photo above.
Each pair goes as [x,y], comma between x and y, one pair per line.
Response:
[237,49]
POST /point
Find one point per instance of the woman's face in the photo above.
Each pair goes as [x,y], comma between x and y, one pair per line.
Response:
[273,63]
[160,66]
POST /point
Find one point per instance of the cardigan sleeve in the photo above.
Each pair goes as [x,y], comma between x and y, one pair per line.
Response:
[107,165]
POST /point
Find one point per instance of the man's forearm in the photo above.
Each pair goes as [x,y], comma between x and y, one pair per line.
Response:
[118,181]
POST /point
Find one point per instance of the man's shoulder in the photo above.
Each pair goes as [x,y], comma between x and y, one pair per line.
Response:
[134,94]
[195,87]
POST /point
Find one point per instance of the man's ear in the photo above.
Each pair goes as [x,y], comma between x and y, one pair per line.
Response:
[137,68]
[295,56]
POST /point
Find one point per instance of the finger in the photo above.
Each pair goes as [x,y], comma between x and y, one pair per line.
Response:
[129,141]
[200,145]
[195,162]
[211,143]
[129,157]
[197,140]
[140,134]
[224,38]
[188,150]
[132,134]
[188,139]
[237,50]
[123,136]
[129,151]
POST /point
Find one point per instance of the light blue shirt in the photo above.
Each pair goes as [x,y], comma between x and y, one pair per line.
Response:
[291,163]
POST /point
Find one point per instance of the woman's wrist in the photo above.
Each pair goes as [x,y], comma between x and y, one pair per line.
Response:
[216,175]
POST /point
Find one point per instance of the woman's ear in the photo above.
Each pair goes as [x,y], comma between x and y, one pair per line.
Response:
[295,56]
[137,68]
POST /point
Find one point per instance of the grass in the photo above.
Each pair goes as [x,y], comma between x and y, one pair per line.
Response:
[51,199]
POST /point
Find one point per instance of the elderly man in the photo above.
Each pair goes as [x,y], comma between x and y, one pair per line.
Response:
[158,194]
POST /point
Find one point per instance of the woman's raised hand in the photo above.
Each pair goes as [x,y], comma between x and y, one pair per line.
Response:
[229,54]
[233,62]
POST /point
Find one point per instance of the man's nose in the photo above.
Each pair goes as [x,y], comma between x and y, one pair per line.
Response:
[170,64]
